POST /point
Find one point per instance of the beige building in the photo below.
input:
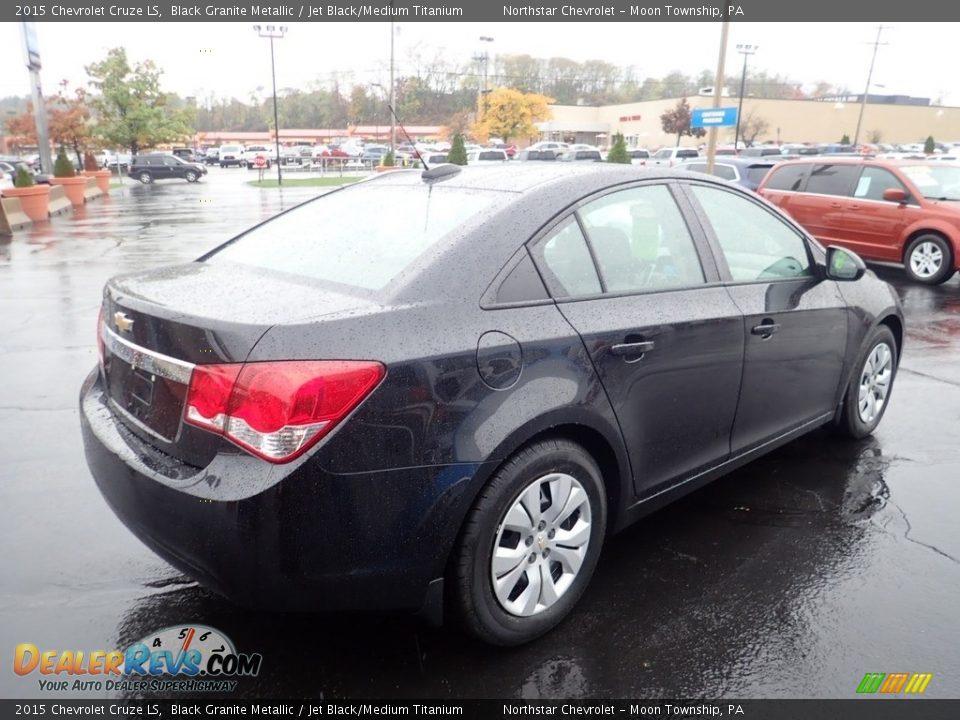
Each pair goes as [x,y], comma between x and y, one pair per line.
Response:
[789,121]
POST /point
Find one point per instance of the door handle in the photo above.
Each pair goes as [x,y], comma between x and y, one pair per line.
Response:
[836,205]
[632,348]
[765,329]
[853,207]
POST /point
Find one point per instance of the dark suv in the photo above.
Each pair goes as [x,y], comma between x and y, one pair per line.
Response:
[159,166]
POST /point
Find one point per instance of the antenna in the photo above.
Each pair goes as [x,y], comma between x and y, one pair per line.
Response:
[407,136]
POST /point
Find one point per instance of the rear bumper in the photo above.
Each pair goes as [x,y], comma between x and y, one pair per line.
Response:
[308,540]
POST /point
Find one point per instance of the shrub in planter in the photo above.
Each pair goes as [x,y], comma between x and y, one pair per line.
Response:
[65,175]
[34,199]
[23,178]
[62,167]
[91,168]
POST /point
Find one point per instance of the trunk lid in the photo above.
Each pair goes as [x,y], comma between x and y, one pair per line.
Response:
[156,326]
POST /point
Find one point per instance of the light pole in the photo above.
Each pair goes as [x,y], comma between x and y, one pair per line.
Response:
[393,120]
[272,31]
[866,90]
[746,51]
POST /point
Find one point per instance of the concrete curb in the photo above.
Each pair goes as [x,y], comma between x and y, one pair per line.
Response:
[59,202]
[92,190]
[12,216]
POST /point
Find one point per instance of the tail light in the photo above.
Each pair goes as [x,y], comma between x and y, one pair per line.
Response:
[278,410]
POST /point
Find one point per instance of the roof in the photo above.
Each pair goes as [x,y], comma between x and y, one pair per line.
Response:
[523,176]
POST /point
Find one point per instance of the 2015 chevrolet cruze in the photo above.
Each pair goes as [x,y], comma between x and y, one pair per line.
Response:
[457,384]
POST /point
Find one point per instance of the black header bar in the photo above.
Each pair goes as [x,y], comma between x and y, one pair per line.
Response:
[287,11]
[854,709]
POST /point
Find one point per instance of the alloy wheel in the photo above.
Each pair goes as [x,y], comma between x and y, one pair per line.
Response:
[926,260]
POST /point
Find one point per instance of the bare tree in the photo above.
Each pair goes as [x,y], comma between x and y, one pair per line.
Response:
[752,127]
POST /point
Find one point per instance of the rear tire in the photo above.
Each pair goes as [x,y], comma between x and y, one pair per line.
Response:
[929,259]
[530,544]
[868,393]
[145,177]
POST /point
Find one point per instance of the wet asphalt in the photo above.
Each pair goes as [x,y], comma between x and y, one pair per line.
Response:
[791,577]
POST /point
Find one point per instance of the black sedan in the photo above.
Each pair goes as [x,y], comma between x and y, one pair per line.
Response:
[460,396]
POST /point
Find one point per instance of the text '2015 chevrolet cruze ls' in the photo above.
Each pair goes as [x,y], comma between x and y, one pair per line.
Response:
[454,385]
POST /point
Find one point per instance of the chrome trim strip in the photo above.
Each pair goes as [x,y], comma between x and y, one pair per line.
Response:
[152,362]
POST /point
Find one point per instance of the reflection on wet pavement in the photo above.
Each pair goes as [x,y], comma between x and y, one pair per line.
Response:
[791,577]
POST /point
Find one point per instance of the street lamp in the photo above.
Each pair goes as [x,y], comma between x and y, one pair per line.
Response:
[272,31]
[746,51]
[485,58]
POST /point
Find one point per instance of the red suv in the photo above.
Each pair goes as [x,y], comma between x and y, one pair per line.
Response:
[905,212]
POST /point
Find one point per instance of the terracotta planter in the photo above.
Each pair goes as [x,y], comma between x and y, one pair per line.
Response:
[387,168]
[35,200]
[102,176]
[73,187]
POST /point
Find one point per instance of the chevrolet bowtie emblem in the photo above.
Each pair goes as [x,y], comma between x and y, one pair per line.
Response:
[122,322]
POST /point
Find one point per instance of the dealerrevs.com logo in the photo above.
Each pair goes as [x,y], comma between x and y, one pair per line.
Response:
[185,658]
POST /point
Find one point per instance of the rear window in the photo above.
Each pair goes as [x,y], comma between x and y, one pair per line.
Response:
[339,239]
[687,153]
[492,155]
[756,173]
[787,177]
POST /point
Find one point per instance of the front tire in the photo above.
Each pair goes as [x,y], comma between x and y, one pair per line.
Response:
[530,543]
[190,176]
[868,393]
[929,259]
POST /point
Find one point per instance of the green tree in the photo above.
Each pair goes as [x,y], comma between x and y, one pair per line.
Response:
[677,121]
[618,151]
[845,140]
[929,145]
[132,111]
[458,152]
[62,167]
[388,159]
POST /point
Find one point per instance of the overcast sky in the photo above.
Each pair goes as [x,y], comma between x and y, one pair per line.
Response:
[228,59]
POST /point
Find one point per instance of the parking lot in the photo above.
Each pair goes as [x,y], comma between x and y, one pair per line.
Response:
[791,577]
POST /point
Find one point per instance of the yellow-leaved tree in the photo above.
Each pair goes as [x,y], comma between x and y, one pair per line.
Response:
[509,114]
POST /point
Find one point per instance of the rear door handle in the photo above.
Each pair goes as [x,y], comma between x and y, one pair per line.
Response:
[765,329]
[632,348]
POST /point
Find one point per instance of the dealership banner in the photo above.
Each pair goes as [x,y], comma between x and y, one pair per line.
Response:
[431,10]
[862,709]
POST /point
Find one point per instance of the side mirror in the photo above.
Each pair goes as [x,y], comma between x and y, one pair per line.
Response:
[896,195]
[843,264]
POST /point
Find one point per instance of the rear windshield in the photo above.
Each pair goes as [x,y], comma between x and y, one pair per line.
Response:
[363,237]
[756,173]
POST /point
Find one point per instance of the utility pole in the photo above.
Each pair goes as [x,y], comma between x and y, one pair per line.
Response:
[718,85]
[746,51]
[484,57]
[393,122]
[31,53]
[271,31]
[866,90]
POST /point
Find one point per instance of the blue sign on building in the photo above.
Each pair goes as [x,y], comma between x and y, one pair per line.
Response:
[714,117]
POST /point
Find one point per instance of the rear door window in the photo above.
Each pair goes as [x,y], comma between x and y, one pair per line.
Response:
[565,261]
[829,179]
[787,177]
[641,241]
